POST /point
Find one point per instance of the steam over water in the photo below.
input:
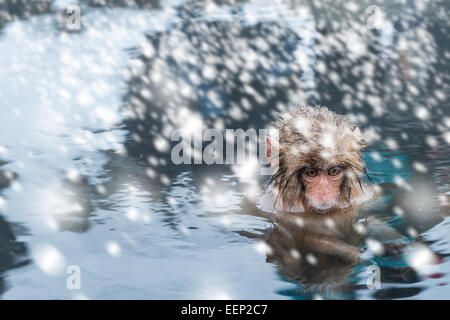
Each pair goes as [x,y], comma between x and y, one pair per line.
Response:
[86,175]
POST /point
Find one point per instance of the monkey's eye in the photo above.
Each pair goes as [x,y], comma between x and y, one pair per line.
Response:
[311,172]
[334,171]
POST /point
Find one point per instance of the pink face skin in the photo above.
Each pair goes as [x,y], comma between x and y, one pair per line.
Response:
[323,187]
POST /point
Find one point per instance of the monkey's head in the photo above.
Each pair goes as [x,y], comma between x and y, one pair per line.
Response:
[317,160]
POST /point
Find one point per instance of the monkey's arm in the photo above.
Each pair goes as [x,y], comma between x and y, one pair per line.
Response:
[392,241]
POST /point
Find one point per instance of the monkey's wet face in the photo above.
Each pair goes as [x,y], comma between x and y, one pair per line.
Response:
[317,161]
[322,187]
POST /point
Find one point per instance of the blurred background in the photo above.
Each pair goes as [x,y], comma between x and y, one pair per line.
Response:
[91,91]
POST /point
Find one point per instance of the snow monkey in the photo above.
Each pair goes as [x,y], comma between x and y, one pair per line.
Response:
[317,162]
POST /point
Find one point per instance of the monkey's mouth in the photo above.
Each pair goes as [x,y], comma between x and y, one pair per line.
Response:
[321,205]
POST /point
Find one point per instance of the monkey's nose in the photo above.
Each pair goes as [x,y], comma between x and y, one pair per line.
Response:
[326,196]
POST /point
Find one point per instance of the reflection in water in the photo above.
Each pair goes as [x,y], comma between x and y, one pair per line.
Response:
[86,121]
[11,10]
[321,253]
[218,74]
[318,252]
[12,252]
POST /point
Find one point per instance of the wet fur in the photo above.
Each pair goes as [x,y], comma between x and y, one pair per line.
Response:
[301,135]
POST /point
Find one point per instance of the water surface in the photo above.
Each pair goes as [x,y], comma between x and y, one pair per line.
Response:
[86,174]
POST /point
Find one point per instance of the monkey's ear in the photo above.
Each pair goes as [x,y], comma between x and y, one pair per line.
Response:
[358,134]
[359,137]
[271,147]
